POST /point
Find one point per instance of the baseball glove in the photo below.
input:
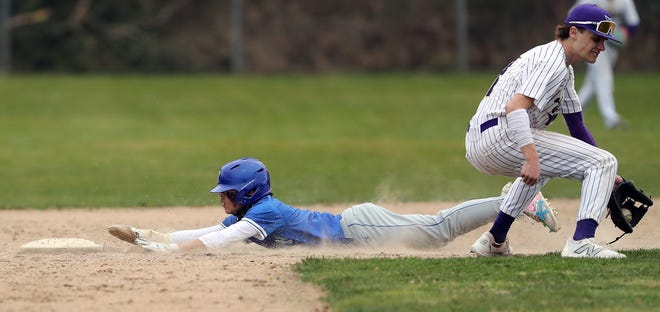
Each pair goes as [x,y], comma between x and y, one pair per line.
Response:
[627,206]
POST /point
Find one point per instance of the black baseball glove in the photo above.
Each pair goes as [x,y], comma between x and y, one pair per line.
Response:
[627,206]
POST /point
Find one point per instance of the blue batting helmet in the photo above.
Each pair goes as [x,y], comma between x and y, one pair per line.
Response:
[248,176]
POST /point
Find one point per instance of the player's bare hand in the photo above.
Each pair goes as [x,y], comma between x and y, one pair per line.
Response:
[531,169]
[618,180]
[531,172]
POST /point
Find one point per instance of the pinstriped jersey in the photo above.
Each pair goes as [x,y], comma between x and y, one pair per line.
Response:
[540,73]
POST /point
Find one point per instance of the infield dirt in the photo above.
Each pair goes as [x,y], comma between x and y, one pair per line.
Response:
[243,278]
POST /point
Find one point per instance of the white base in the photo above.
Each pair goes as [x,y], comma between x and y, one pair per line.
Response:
[49,245]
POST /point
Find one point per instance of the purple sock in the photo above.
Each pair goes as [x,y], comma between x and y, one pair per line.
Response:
[501,226]
[585,229]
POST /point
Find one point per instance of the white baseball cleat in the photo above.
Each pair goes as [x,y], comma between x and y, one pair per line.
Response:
[131,234]
[486,246]
[587,248]
[539,210]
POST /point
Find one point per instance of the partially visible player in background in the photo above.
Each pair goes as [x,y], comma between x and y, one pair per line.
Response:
[507,135]
[599,78]
[256,216]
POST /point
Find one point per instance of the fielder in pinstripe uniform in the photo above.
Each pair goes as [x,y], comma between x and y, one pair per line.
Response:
[507,134]
[256,216]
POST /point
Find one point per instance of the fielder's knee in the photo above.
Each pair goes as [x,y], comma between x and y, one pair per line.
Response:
[607,161]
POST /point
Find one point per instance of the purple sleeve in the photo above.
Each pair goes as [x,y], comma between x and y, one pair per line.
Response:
[577,128]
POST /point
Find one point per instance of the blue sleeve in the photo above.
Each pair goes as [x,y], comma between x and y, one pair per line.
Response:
[229,220]
[267,218]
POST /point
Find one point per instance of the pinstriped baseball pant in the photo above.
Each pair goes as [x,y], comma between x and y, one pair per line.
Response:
[561,156]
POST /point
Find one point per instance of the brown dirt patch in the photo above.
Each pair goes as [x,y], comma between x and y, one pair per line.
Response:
[243,278]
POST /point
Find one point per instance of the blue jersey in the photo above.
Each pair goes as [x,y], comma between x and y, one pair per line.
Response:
[283,225]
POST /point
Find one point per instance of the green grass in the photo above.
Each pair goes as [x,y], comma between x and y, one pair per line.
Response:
[519,283]
[124,141]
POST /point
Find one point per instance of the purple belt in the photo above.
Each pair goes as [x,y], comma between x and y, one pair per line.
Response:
[488,124]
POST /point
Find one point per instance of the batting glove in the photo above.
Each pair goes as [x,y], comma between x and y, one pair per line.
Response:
[157,247]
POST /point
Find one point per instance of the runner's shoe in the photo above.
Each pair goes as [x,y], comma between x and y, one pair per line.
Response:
[539,210]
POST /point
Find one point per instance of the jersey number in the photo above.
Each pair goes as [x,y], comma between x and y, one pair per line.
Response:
[551,117]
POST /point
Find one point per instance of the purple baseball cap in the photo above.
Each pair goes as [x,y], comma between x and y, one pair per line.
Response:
[594,19]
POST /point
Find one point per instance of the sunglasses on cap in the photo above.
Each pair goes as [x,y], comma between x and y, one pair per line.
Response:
[603,27]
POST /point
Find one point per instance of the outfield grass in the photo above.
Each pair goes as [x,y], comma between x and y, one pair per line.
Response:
[125,141]
[518,283]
